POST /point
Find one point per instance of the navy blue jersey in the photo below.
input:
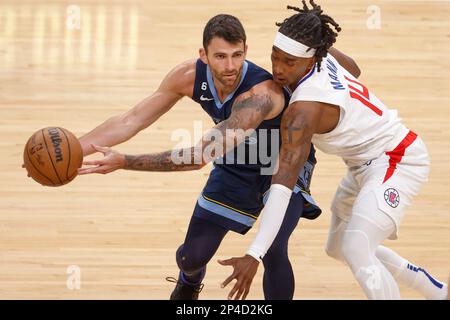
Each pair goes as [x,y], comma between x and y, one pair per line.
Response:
[205,94]
[234,193]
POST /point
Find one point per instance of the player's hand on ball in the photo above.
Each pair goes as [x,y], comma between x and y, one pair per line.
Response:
[244,271]
[112,161]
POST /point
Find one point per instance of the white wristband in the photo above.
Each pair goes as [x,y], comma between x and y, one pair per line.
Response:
[271,219]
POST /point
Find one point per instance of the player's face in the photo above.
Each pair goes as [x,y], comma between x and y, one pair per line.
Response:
[287,70]
[225,60]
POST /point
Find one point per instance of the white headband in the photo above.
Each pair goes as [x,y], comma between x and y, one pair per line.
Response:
[293,47]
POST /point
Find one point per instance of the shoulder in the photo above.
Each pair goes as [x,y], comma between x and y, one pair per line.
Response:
[326,86]
[185,69]
[181,78]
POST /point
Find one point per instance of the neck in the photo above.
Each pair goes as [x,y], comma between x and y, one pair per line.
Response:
[294,85]
[224,91]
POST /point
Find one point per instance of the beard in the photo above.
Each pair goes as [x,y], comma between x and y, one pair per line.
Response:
[229,79]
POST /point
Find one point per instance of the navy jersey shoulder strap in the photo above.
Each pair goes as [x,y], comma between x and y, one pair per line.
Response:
[201,83]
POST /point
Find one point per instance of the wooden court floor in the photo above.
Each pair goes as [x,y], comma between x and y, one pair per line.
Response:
[75,66]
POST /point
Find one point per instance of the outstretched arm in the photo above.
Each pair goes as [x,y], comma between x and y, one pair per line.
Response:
[299,123]
[248,112]
[177,83]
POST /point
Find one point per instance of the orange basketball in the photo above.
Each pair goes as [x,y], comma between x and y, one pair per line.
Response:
[52,156]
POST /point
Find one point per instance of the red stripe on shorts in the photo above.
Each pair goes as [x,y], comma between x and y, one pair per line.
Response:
[396,155]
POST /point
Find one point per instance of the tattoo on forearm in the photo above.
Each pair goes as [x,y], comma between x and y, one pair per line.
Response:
[164,161]
[258,106]
[258,103]
[247,114]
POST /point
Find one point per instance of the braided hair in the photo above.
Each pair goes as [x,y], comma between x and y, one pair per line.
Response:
[312,28]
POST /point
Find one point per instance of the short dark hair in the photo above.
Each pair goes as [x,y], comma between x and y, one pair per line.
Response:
[312,28]
[226,27]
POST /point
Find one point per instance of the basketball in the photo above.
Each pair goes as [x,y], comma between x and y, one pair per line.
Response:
[52,156]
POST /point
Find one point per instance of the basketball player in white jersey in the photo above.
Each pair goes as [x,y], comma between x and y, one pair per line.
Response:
[387,163]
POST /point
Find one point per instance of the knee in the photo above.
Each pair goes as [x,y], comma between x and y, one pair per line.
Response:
[187,261]
[334,251]
[333,247]
[355,245]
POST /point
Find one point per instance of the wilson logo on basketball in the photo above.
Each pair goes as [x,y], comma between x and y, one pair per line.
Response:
[52,156]
[56,140]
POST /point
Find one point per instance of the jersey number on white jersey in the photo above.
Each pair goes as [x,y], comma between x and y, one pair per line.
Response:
[358,94]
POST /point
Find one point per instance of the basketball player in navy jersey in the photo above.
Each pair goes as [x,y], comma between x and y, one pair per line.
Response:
[238,95]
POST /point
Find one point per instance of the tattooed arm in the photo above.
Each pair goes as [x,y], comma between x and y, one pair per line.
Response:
[263,101]
[297,127]
[247,114]
[300,122]
[179,82]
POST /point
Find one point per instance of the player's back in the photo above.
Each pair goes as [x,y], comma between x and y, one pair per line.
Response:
[366,127]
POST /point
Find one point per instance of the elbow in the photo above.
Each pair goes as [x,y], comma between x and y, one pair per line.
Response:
[200,166]
[356,71]
[130,124]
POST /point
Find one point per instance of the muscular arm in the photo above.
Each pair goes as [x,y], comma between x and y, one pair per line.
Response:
[247,114]
[177,83]
[348,63]
[264,101]
[299,123]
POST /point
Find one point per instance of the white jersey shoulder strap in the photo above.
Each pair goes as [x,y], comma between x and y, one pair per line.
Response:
[327,86]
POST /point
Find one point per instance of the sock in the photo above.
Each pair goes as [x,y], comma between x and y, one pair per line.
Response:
[193,279]
[412,276]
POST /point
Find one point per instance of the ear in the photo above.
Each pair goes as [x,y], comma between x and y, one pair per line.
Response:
[203,56]
[245,51]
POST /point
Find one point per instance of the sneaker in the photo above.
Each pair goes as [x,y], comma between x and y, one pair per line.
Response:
[184,291]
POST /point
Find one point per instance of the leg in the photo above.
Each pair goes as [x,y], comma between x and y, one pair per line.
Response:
[411,276]
[367,228]
[335,235]
[202,241]
[401,269]
[278,281]
[341,206]
[411,173]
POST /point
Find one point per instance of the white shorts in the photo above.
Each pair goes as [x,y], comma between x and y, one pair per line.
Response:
[395,178]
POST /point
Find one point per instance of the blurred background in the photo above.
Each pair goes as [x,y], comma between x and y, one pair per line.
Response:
[75,64]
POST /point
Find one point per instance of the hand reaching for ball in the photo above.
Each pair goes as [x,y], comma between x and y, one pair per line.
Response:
[112,161]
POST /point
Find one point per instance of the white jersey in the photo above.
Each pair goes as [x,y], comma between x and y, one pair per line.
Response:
[366,128]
